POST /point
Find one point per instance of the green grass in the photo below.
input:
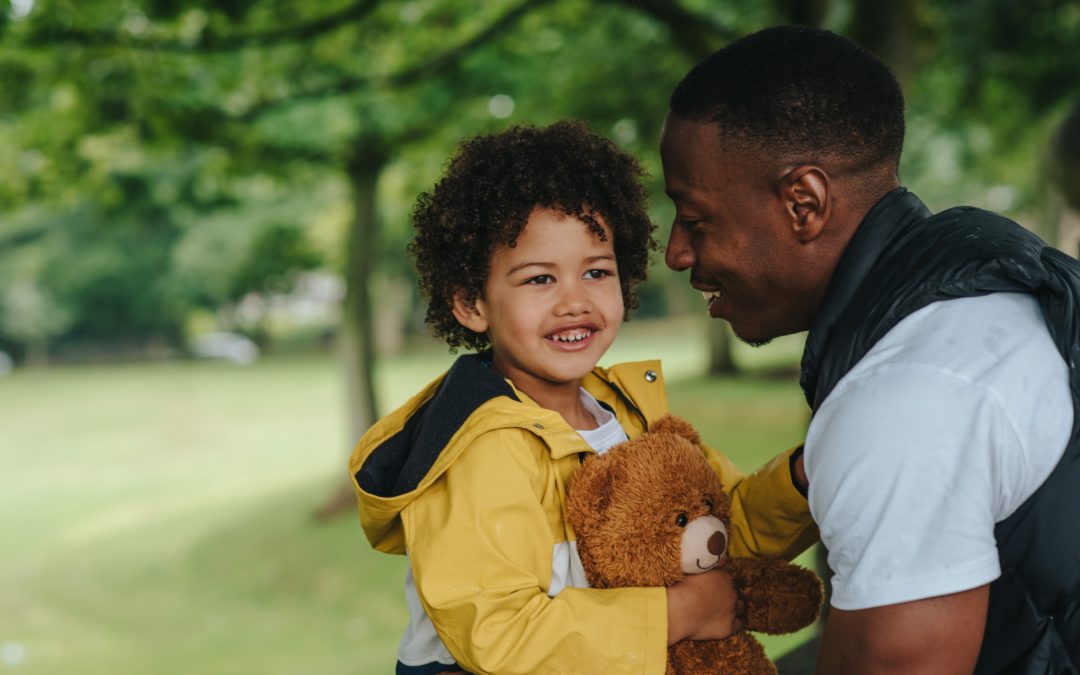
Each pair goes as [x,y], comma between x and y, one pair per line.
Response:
[157,518]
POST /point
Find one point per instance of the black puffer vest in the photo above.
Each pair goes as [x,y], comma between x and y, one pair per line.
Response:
[903,258]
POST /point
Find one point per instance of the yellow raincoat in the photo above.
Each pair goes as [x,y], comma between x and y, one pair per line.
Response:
[470,477]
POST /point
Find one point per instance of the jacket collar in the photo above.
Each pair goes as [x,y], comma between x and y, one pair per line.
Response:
[885,221]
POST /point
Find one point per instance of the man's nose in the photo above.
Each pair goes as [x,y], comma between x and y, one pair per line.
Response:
[679,255]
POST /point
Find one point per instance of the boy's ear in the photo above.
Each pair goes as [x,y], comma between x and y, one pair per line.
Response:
[469,313]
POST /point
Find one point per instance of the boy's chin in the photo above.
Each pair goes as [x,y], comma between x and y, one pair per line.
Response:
[570,373]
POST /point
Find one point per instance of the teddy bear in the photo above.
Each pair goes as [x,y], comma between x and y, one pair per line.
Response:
[651,510]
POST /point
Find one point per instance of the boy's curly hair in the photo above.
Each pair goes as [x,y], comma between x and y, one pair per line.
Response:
[490,188]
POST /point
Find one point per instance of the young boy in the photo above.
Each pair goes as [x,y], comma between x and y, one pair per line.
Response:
[529,250]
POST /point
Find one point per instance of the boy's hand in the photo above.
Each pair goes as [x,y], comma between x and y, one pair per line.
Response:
[703,607]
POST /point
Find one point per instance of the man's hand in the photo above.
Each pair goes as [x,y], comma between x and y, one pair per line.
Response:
[703,607]
[924,637]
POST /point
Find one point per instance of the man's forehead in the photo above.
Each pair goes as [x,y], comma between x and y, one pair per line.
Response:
[696,155]
[678,131]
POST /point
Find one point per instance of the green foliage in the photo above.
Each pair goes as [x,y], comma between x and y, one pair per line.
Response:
[995,81]
[277,252]
[186,116]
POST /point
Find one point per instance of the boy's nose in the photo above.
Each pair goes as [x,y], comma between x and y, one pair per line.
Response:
[574,300]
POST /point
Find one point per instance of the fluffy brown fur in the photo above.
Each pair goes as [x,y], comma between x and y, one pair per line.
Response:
[624,506]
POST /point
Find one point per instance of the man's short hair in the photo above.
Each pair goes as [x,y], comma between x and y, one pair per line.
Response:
[801,93]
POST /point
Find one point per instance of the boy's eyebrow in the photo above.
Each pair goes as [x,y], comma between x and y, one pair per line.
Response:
[523,265]
[548,265]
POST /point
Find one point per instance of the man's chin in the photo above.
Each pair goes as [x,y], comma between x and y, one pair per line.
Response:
[751,338]
[753,343]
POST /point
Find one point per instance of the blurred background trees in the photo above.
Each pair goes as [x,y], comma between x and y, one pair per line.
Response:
[177,174]
[174,167]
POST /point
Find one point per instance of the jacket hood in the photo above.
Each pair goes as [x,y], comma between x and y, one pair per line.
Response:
[397,463]
[393,458]
[409,449]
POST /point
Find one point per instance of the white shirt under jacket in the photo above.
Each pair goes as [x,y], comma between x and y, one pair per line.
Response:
[946,426]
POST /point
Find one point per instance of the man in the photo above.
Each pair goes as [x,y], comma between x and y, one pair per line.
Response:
[942,362]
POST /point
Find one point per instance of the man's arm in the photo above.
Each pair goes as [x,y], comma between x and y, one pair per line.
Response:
[770,516]
[921,637]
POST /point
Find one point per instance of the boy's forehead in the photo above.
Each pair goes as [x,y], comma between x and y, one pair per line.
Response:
[556,230]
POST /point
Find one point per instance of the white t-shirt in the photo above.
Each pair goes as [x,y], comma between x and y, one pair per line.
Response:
[946,426]
[608,434]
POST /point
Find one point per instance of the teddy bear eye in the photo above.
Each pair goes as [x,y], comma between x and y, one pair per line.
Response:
[682,519]
[708,503]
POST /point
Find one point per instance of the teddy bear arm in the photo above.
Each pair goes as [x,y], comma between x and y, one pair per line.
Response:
[741,653]
[779,597]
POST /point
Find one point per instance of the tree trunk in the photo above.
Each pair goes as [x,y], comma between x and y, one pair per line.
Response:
[1065,152]
[890,30]
[358,329]
[37,352]
[356,340]
[805,12]
[721,359]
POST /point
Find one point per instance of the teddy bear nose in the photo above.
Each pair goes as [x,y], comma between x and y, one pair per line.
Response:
[717,543]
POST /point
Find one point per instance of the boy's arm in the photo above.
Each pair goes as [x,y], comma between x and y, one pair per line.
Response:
[770,517]
[481,546]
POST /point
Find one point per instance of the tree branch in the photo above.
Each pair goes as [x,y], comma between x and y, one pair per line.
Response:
[210,42]
[695,35]
[432,67]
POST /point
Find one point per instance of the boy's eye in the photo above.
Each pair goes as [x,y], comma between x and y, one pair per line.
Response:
[541,279]
[597,274]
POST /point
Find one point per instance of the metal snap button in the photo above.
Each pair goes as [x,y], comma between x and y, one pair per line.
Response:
[650,376]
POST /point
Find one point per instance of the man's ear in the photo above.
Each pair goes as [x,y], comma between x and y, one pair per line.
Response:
[469,313]
[805,191]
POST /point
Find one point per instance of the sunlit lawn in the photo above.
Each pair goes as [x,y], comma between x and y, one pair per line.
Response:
[157,518]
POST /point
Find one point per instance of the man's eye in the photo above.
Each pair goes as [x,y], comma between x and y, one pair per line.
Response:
[541,279]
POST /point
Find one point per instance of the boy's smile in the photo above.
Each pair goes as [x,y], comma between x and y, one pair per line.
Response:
[573,338]
[551,306]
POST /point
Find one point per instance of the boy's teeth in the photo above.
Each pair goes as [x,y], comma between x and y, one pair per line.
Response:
[576,336]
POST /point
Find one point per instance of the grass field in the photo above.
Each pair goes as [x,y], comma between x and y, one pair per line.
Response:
[157,518]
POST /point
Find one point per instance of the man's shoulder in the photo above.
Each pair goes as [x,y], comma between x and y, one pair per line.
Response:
[971,338]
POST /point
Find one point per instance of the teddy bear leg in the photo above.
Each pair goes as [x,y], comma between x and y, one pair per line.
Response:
[740,654]
[780,597]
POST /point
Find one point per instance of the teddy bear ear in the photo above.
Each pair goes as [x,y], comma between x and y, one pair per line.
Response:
[678,426]
[589,489]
